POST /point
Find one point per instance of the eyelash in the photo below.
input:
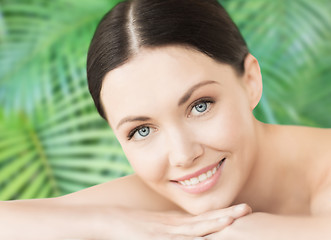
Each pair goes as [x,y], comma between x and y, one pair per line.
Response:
[201,100]
[133,131]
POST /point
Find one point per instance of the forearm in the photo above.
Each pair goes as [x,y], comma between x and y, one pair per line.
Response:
[42,219]
[274,227]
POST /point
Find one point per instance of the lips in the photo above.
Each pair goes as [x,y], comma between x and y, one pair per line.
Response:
[201,180]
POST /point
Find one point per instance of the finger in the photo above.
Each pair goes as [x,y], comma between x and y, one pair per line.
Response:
[213,236]
[168,218]
[172,237]
[201,228]
[234,212]
[179,218]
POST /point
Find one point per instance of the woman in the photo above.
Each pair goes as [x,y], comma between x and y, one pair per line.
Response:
[177,84]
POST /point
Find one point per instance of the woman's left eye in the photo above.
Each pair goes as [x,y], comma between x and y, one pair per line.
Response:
[200,107]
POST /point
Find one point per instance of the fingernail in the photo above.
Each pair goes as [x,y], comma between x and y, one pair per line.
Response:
[240,207]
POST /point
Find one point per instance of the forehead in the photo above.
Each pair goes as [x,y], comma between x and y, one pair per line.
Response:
[153,77]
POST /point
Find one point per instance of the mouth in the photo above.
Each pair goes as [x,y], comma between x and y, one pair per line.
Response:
[202,180]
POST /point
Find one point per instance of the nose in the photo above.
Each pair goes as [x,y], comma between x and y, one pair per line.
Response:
[183,147]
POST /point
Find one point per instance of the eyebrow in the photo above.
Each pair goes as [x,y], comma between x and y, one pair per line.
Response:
[181,101]
[191,90]
[133,119]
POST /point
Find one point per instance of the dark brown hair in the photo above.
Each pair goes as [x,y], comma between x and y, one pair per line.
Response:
[203,25]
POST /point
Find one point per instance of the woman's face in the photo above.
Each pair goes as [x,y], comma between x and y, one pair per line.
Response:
[185,124]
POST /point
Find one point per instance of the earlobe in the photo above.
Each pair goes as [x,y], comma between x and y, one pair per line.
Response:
[252,80]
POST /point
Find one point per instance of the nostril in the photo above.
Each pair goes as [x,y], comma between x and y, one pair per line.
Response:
[183,149]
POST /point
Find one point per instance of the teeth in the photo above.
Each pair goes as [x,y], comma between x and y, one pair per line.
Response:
[202,177]
[194,181]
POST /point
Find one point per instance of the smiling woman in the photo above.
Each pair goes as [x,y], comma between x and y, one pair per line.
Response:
[189,127]
[176,83]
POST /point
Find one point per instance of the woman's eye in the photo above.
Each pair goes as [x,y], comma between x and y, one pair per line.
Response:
[143,131]
[200,108]
[139,133]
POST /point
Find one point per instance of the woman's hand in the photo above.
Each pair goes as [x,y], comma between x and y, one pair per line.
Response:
[50,219]
[120,223]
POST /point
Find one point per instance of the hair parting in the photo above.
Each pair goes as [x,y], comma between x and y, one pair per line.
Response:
[202,25]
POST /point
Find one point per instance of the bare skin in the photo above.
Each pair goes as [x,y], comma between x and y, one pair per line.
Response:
[282,173]
[289,173]
[302,187]
[300,191]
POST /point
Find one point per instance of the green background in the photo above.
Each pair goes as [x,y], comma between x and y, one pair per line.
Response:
[52,141]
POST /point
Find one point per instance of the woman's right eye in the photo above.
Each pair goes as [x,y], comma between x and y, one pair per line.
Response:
[139,133]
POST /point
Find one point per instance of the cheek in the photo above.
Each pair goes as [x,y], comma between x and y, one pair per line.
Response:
[237,127]
[228,130]
[148,162]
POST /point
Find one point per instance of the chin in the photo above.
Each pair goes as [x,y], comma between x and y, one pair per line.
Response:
[198,211]
[205,203]
[199,207]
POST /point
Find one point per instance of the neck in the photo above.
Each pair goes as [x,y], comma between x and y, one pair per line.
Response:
[276,182]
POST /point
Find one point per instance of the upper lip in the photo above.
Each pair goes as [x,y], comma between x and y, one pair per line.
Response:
[198,173]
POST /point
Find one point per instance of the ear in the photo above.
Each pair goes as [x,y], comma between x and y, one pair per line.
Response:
[252,80]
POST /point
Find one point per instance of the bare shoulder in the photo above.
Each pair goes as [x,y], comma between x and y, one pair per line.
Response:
[311,150]
[318,142]
[321,134]
[129,191]
[318,146]
[313,140]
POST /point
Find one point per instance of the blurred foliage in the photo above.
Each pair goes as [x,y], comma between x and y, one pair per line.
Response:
[52,141]
[291,40]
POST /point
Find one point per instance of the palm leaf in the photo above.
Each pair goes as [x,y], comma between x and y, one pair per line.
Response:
[52,140]
[291,39]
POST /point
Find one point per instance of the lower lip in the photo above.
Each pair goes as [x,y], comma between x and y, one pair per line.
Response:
[205,185]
